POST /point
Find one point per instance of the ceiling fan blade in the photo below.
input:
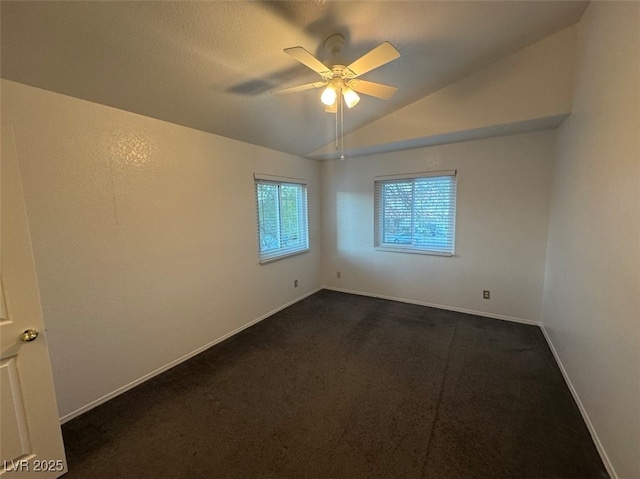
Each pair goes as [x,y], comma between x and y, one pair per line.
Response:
[294,89]
[383,53]
[377,90]
[309,61]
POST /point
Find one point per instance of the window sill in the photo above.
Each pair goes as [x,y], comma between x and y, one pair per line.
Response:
[398,249]
[283,256]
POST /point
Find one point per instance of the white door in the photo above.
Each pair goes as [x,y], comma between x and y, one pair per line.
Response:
[30,435]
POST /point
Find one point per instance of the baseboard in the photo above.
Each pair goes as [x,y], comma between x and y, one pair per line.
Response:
[583,411]
[146,377]
[438,306]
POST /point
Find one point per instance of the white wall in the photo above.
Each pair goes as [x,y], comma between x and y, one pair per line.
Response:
[592,284]
[144,237]
[504,187]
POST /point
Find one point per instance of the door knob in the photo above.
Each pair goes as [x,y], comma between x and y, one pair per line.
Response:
[29,335]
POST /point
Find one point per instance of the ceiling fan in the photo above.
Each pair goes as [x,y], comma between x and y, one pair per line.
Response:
[339,80]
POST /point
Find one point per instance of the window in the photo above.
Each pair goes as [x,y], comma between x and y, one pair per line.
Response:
[282,217]
[416,213]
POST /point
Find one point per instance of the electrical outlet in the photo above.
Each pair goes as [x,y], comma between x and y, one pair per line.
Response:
[338,274]
[486,294]
[295,283]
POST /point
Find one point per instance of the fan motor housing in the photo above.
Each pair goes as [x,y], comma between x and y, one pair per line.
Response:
[333,45]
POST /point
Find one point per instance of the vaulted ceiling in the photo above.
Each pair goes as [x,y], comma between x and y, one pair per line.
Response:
[212,65]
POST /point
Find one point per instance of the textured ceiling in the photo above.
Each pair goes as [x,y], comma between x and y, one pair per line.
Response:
[212,65]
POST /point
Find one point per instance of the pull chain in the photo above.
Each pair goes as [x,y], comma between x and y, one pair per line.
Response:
[341,128]
[336,130]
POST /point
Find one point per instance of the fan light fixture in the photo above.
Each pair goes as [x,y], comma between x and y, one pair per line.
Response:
[332,108]
[351,98]
[329,95]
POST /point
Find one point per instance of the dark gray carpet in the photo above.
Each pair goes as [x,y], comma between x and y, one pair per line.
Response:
[340,385]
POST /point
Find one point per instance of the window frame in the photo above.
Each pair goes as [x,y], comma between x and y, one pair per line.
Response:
[302,218]
[412,247]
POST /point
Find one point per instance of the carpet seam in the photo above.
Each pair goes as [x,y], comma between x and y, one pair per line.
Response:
[437,411]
